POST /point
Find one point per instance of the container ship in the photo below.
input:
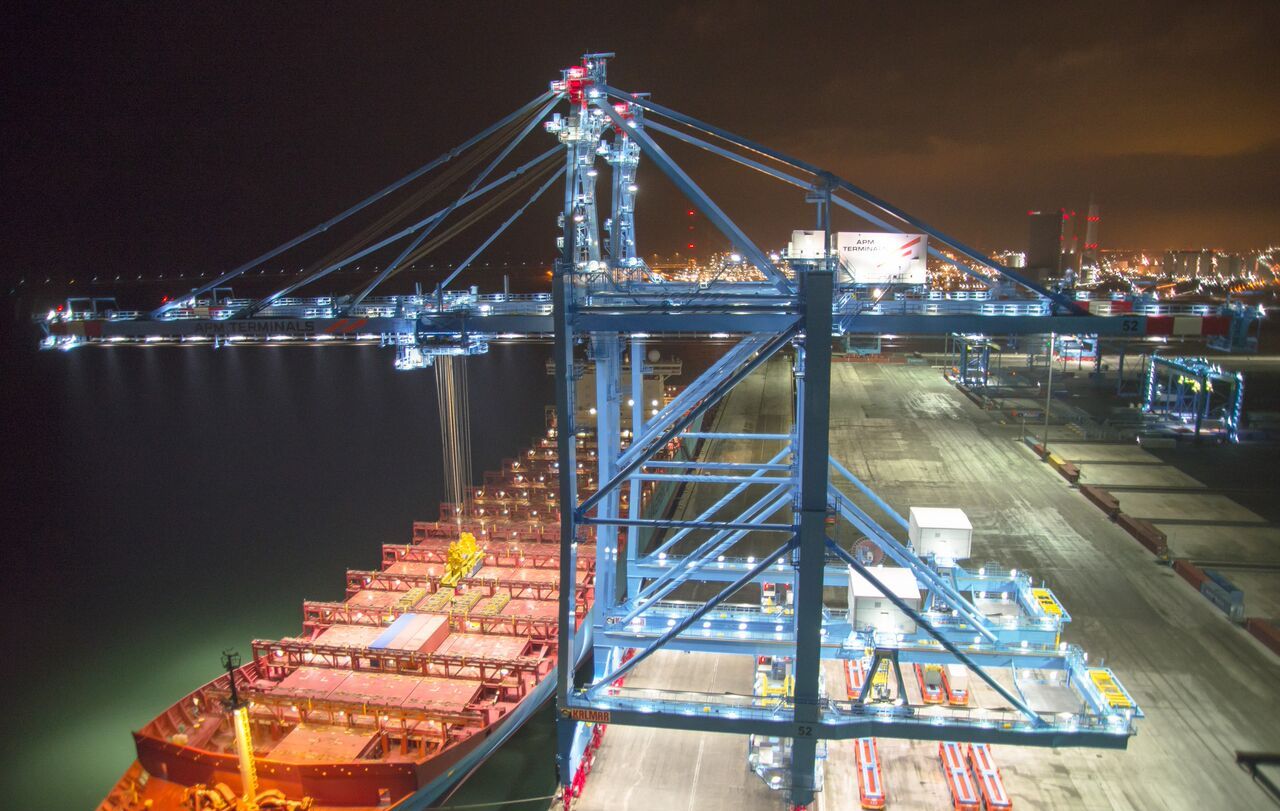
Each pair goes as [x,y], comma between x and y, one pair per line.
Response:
[392,696]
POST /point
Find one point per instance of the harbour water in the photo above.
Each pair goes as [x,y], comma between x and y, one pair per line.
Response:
[167,504]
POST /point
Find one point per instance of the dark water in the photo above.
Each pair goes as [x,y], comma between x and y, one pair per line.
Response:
[163,504]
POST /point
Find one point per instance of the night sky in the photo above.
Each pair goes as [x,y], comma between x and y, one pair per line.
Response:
[141,138]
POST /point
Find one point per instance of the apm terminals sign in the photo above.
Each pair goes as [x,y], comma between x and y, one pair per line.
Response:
[258,328]
[876,258]
[867,257]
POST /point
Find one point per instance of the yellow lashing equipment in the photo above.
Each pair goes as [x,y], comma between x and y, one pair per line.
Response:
[438,601]
[464,603]
[410,598]
[495,605]
[463,556]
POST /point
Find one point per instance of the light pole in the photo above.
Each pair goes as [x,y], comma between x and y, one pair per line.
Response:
[1048,394]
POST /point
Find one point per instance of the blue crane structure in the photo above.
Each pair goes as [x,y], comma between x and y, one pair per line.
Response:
[606,298]
[1183,389]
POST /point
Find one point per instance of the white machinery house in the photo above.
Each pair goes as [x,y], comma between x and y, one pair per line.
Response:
[869,607]
[944,532]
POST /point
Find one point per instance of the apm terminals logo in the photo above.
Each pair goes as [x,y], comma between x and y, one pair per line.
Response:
[913,248]
[255,328]
[883,244]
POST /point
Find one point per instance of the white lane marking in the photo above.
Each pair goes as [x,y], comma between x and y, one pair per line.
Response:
[697,768]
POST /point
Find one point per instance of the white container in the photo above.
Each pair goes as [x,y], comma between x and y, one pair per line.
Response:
[869,607]
[944,532]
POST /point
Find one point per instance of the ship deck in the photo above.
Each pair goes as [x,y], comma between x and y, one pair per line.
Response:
[382,690]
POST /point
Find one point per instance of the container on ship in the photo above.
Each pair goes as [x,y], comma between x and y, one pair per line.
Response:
[393,695]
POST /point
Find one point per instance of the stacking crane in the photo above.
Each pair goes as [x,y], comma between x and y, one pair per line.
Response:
[1184,389]
[605,299]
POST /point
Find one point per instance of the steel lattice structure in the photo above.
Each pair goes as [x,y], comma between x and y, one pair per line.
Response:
[606,298]
[612,301]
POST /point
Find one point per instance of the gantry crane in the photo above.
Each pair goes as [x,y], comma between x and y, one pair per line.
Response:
[605,297]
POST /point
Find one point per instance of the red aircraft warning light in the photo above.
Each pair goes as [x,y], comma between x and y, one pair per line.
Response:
[625,112]
[576,84]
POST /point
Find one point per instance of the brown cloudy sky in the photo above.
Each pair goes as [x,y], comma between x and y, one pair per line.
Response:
[142,137]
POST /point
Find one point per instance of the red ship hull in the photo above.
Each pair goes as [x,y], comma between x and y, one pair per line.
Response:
[394,695]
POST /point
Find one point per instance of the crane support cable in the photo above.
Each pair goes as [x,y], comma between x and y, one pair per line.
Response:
[840,183]
[519,171]
[337,218]
[515,216]
[474,216]
[454,406]
[497,803]
[806,184]
[486,209]
[476,181]
[414,203]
